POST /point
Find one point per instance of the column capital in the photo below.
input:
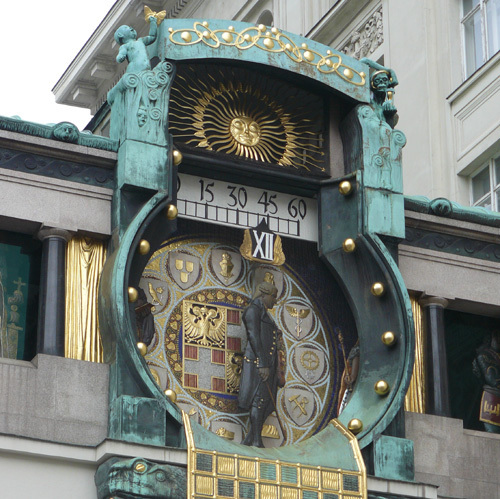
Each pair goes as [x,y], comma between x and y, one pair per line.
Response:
[426,301]
[46,232]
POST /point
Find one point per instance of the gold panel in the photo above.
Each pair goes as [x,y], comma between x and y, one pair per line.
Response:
[288,493]
[330,480]
[85,259]
[268,492]
[204,485]
[310,477]
[415,396]
[226,465]
[247,468]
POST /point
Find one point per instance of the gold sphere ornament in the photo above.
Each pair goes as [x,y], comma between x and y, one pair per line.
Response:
[355,425]
[274,30]
[206,34]
[143,348]
[171,395]
[268,43]
[345,188]
[304,45]
[348,73]
[177,155]
[231,28]
[377,289]
[140,467]
[172,212]
[186,36]
[227,37]
[329,63]
[133,294]
[381,387]
[349,245]
[288,46]
[261,27]
[308,55]
[247,37]
[144,247]
[205,23]
[388,338]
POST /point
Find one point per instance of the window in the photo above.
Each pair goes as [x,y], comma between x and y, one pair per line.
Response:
[481,32]
[486,186]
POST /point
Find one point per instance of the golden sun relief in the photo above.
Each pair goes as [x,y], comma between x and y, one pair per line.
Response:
[262,119]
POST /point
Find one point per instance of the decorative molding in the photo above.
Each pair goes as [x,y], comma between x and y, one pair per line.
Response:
[64,132]
[366,38]
[270,41]
[56,168]
[453,244]
[442,207]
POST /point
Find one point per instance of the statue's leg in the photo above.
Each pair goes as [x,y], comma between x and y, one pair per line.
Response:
[257,410]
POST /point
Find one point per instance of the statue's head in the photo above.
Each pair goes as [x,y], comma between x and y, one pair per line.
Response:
[267,291]
[124,34]
[66,131]
[142,116]
[381,81]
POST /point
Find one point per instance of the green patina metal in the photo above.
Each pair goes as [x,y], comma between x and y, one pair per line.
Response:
[140,478]
[64,132]
[394,458]
[191,39]
[371,262]
[139,411]
[445,208]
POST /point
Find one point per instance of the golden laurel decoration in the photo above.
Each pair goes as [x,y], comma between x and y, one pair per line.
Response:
[274,41]
[246,250]
[233,112]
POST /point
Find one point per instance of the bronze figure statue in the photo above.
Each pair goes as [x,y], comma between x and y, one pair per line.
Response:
[262,371]
[487,366]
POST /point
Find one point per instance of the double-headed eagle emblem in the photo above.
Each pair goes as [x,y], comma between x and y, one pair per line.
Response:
[204,324]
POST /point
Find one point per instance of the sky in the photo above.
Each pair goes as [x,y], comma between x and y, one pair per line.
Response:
[36,46]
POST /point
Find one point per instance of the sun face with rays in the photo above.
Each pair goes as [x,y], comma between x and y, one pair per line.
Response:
[243,117]
[245,131]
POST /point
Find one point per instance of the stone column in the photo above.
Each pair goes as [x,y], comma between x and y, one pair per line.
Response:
[51,306]
[438,397]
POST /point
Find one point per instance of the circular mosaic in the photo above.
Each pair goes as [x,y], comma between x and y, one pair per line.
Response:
[200,338]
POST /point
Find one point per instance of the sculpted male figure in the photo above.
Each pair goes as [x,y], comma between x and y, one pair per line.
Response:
[487,366]
[383,82]
[260,374]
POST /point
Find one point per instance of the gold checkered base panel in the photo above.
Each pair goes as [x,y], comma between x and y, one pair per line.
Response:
[214,474]
[219,475]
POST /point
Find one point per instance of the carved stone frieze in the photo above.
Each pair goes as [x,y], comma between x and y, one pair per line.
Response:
[366,38]
[453,244]
[56,168]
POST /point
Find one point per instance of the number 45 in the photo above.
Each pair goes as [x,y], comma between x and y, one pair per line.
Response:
[266,200]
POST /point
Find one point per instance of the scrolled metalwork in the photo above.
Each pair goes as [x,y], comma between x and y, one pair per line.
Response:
[274,41]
